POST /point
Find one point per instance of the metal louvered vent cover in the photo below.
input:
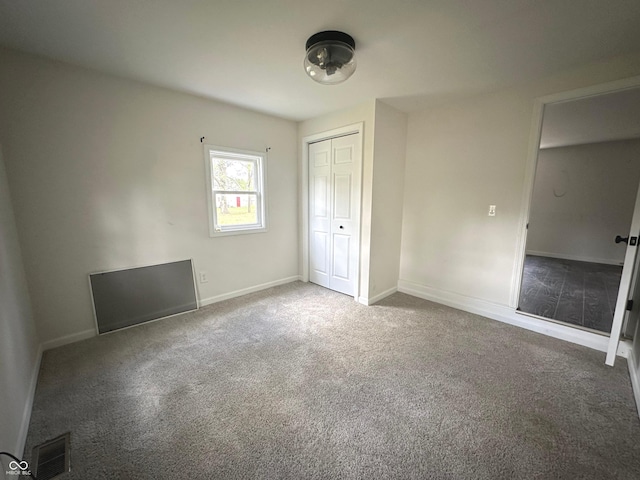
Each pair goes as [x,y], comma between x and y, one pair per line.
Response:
[51,459]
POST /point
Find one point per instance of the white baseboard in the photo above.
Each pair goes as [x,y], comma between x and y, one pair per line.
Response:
[578,258]
[65,340]
[376,298]
[634,373]
[625,347]
[245,291]
[28,405]
[509,315]
[76,337]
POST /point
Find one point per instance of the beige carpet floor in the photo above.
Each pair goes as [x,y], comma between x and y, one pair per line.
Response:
[299,382]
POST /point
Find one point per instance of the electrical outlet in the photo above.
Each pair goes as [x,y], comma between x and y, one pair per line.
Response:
[492,210]
[204,278]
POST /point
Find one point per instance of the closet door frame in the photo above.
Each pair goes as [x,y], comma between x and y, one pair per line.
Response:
[304,197]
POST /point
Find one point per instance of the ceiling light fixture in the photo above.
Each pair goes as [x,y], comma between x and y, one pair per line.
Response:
[330,57]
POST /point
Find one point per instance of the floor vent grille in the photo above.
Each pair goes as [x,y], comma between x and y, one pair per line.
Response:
[51,459]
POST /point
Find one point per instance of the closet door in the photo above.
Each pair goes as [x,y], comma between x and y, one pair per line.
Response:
[334,206]
[320,213]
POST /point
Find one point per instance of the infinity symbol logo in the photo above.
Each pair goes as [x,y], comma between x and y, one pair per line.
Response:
[23,465]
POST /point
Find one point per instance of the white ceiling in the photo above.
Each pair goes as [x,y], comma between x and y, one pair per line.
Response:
[411,53]
[600,118]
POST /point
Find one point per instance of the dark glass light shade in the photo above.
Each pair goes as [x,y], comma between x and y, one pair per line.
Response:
[330,57]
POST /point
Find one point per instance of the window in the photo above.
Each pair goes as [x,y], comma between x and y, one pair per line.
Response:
[235,181]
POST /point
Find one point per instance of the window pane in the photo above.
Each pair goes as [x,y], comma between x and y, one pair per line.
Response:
[235,185]
[236,209]
[232,175]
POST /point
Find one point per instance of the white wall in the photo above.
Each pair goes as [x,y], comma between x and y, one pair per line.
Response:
[462,157]
[109,173]
[583,197]
[19,355]
[388,192]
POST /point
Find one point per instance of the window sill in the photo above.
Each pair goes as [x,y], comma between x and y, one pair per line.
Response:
[243,231]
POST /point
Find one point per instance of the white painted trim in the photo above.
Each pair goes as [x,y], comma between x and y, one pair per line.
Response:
[261,180]
[579,258]
[505,314]
[303,188]
[626,280]
[76,337]
[304,195]
[336,132]
[635,379]
[592,90]
[625,347]
[28,406]
[67,339]
[245,291]
[530,170]
[375,299]
[527,195]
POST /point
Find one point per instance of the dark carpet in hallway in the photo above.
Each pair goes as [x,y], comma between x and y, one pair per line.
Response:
[580,293]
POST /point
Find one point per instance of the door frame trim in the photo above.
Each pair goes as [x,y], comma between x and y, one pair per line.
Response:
[629,275]
[304,195]
[532,162]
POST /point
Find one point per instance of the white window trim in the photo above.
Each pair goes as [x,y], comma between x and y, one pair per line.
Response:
[261,186]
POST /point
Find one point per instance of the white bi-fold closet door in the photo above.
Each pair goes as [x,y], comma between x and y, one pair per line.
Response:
[334,212]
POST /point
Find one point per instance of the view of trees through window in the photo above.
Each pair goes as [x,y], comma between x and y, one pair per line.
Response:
[234,186]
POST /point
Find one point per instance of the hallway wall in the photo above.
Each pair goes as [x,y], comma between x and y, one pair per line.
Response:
[583,197]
